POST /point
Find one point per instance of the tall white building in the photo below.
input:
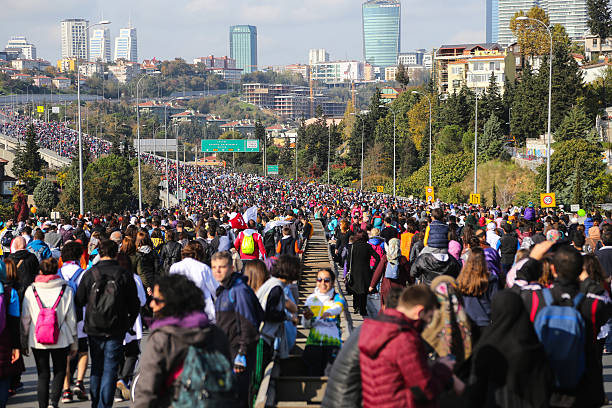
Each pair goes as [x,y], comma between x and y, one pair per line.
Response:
[317,55]
[28,51]
[75,38]
[126,45]
[571,14]
[506,10]
[100,45]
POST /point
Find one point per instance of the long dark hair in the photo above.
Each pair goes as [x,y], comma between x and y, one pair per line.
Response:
[181,296]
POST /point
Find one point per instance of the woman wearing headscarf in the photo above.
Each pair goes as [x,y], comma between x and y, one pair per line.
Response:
[361,274]
[509,366]
[393,268]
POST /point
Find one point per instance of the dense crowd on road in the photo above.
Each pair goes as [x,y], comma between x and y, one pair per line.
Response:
[463,305]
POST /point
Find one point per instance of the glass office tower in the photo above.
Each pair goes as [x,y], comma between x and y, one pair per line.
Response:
[243,47]
[381,32]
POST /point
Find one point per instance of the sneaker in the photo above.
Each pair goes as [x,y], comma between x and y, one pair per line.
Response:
[125,391]
[118,396]
[79,391]
[66,396]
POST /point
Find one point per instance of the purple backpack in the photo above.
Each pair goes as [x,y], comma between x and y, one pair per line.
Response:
[47,330]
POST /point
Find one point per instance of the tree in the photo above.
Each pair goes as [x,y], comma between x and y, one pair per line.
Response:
[494,195]
[448,140]
[575,125]
[401,76]
[28,157]
[150,180]
[599,18]
[491,141]
[108,185]
[528,119]
[531,36]
[45,196]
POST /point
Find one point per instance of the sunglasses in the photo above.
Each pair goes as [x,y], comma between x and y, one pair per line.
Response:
[158,300]
[326,280]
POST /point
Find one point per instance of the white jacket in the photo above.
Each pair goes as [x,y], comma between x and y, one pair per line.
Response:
[201,275]
[65,312]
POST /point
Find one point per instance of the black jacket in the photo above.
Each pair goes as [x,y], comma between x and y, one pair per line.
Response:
[344,381]
[604,255]
[130,304]
[170,254]
[27,269]
[427,267]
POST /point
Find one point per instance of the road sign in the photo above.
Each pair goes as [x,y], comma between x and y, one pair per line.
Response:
[230,145]
[475,199]
[40,109]
[155,145]
[272,169]
[380,189]
[429,194]
[55,109]
[547,200]
[574,207]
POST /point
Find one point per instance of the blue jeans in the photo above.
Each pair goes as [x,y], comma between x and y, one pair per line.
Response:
[608,343]
[106,353]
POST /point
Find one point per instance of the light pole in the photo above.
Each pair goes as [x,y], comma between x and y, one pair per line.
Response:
[428,100]
[328,149]
[362,129]
[138,145]
[81,204]
[394,113]
[525,18]
[476,147]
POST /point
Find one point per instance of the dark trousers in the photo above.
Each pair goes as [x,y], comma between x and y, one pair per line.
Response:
[318,358]
[360,303]
[60,358]
[131,351]
[105,357]
[243,379]
[504,272]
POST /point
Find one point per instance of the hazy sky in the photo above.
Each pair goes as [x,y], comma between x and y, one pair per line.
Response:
[286,28]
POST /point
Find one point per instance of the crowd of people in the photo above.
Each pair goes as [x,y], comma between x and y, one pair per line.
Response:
[464,305]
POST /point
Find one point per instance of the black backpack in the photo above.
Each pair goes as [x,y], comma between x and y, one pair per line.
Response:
[7,239]
[105,304]
[207,250]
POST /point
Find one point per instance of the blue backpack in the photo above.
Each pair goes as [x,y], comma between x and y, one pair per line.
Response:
[207,380]
[561,330]
[391,270]
[72,282]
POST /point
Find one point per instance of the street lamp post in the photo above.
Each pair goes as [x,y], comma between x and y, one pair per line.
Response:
[428,100]
[81,203]
[362,129]
[394,113]
[525,18]
[138,145]
[328,149]
[476,147]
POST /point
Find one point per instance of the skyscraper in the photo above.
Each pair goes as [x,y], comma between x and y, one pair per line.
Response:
[571,14]
[100,45]
[317,55]
[381,31]
[75,38]
[27,50]
[507,9]
[243,47]
[126,45]
[492,24]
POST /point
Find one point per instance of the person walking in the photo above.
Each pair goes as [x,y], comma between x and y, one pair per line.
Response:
[393,269]
[50,295]
[109,294]
[11,361]
[171,252]
[360,272]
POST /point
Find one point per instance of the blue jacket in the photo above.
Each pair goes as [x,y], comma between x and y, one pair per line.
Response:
[239,314]
[479,308]
[40,249]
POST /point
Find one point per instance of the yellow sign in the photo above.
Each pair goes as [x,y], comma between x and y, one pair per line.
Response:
[475,199]
[380,189]
[40,109]
[429,194]
[547,200]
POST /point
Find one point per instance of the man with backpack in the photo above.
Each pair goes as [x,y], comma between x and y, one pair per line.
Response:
[38,246]
[111,299]
[249,245]
[567,323]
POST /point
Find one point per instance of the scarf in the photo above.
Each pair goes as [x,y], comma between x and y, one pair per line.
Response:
[393,251]
[46,278]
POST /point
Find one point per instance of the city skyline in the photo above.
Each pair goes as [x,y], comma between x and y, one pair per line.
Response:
[285,31]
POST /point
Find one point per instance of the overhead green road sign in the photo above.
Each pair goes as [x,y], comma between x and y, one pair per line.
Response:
[272,169]
[230,145]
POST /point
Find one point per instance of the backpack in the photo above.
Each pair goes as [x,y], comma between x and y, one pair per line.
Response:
[205,380]
[37,252]
[3,306]
[103,306]
[380,250]
[7,239]
[561,330]
[47,330]
[206,250]
[391,271]
[247,246]
[72,282]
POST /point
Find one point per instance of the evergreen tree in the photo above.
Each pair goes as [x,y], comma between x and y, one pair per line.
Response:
[494,194]
[491,103]
[401,76]
[491,141]
[458,109]
[528,119]
[28,157]
[599,18]
[575,125]
[45,196]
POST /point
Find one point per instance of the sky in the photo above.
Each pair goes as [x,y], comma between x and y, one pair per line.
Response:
[287,29]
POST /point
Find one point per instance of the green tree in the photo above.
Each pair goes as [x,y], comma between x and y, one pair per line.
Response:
[28,157]
[492,103]
[108,185]
[45,196]
[528,119]
[599,18]
[531,36]
[494,195]
[401,76]
[576,163]
[491,141]
[150,180]
[575,125]
[448,140]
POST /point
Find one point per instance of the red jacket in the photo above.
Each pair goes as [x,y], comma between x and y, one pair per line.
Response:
[394,368]
[260,250]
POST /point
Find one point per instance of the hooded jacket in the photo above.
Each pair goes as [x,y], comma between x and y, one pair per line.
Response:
[41,247]
[27,269]
[146,265]
[432,263]
[394,367]
[259,251]
[165,351]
